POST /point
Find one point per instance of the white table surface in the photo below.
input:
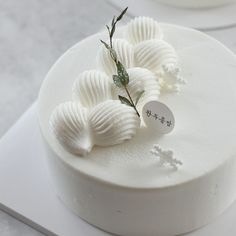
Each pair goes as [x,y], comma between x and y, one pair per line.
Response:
[33,34]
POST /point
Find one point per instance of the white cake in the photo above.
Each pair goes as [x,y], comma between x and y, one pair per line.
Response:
[122,189]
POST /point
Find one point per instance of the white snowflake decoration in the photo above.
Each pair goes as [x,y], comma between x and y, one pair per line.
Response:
[165,156]
[172,78]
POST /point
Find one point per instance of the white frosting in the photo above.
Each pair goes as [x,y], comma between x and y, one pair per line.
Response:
[113,123]
[141,79]
[91,88]
[125,54]
[143,28]
[153,54]
[69,124]
[78,129]
[161,58]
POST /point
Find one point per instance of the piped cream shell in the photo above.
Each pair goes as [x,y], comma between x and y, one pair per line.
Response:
[142,28]
[69,125]
[125,54]
[154,54]
[113,123]
[78,129]
[91,88]
[140,79]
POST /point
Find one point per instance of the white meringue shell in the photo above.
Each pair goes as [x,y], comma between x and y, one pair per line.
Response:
[125,54]
[143,28]
[78,129]
[153,54]
[91,88]
[161,58]
[69,125]
[113,123]
[140,79]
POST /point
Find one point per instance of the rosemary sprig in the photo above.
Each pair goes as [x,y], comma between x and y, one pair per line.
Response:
[121,80]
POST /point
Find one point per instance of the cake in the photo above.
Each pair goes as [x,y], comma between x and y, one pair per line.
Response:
[120,175]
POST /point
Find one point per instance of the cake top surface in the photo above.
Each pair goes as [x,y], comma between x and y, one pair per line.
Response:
[204,112]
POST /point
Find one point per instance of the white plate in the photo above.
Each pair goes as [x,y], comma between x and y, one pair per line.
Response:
[203,19]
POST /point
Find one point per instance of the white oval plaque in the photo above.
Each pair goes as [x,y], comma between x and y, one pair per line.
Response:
[158,117]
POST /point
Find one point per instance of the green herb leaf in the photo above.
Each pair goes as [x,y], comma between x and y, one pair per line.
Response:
[105,44]
[111,50]
[138,97]
[113,21]
[122,78]
[113,30]
[125,100]
[113,54]
[108,29]
[122,73]
[122,14]
[117,81]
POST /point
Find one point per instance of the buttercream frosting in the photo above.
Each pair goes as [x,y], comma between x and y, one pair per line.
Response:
[91,88]
[78,129]
[142,28]
[141,79]
[125,54]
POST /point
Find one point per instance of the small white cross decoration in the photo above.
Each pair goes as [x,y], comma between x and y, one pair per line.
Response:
[171,77]
[165,156]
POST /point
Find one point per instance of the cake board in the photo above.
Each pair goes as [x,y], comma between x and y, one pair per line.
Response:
[214,18]
[26,191]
